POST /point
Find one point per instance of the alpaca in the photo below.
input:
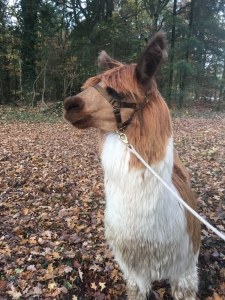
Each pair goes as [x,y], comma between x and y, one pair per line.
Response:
[153,237]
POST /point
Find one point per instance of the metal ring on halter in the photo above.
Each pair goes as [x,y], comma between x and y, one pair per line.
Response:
[122,137]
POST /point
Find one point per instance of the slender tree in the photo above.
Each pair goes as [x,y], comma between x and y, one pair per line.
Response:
[222,87]
[4,59]
[155,9]
[29,39]
[171,57]
[188,38]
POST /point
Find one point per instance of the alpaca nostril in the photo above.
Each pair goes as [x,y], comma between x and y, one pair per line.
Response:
[73,102]
[69,105]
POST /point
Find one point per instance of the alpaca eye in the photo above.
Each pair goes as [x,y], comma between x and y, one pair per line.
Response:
[114,94]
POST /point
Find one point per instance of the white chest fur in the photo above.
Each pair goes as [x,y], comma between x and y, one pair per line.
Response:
[144,224]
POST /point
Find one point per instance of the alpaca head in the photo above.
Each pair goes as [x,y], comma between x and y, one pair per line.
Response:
[123,83]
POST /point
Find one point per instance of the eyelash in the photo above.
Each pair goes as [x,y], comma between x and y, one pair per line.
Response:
[113,93]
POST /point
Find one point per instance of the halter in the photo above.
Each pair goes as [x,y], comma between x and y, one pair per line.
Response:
[116,107]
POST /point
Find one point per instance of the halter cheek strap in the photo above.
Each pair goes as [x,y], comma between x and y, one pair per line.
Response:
[116,107]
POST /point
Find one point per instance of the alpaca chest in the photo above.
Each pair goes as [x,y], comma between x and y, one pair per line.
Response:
[136,201]
[142,219]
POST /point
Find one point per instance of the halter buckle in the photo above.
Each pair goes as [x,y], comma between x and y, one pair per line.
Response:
[116,108]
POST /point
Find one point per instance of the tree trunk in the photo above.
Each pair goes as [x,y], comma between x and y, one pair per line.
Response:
[222,89]
[184,75]
[170,82]
[155,8]
[109,9]
[28,43]
[4,51]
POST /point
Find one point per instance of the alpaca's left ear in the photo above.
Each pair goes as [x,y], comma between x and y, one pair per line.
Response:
[107,62]
[151,58]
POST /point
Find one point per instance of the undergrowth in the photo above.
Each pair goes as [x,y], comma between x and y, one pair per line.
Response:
[53,113]
[26,114]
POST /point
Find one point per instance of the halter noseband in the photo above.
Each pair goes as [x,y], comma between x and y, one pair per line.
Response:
[116,107]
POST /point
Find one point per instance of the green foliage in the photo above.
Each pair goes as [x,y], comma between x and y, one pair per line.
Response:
[52,114]
[50,48]
[68,285]
[183,66]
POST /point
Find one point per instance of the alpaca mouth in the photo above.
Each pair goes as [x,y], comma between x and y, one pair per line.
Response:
[81,122]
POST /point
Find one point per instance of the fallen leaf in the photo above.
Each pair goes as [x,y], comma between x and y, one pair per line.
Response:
[102,285]
[95,268]
[37,290]
[93,286]
[68,269]
[222,272]
[14,293]
[52,285]
[80,274]
[63,289]
[31,268]
[3,284]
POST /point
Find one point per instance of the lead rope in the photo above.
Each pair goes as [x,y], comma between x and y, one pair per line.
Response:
[123,138]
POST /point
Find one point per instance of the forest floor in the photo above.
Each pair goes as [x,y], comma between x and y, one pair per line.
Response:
[52,243]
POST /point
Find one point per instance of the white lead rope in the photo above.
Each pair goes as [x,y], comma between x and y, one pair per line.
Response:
[131,148]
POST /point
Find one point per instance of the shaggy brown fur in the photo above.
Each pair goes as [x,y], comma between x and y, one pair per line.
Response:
[122,79]
[157,130]
[149,132]
[151,145]
[147,66]
[181,181]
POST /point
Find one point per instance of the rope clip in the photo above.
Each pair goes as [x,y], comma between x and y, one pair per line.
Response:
[122,137]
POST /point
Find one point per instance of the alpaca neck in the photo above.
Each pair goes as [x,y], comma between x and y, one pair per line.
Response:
[156,132]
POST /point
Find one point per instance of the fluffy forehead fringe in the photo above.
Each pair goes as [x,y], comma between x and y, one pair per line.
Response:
[122,79]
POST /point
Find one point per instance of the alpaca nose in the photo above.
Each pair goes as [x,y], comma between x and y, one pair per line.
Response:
[73,102]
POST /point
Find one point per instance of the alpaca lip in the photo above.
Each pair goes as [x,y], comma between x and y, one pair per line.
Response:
[81,121]
[69,117]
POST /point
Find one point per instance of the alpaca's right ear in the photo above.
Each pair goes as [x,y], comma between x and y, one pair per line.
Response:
[107,62]
[151,58]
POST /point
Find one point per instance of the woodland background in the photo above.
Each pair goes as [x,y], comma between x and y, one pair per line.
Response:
[52,243]
[49,48]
